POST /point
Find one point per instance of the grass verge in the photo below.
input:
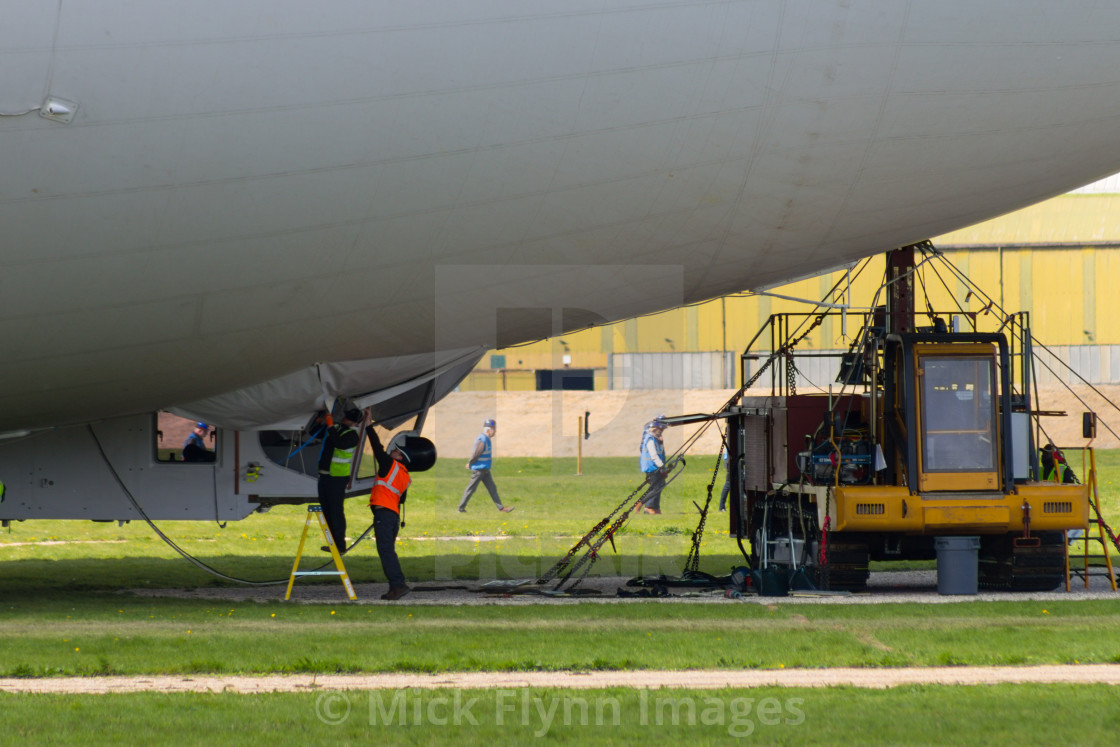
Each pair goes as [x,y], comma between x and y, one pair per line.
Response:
[95,634]
[918,715]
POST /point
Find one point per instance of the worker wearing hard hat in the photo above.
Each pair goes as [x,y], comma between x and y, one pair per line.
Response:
[651,460]
[479,464]
[390,490]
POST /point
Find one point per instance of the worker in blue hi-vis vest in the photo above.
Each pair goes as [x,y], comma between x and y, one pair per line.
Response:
[651,459]
[479,464]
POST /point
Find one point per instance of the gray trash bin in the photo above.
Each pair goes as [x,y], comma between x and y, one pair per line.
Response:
[956,564]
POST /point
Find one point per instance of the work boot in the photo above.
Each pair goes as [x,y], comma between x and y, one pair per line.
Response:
[506,509]
[462,510]
[395,592]
[341,550]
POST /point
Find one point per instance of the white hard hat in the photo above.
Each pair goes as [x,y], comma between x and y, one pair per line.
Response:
[398,443]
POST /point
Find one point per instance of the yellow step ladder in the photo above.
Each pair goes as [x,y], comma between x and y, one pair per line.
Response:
[316,511]
[1097,524]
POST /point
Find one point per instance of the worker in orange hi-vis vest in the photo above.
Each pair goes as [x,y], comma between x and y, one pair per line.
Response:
[389,492]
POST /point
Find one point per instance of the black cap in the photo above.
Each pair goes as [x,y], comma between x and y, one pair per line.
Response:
[353,414]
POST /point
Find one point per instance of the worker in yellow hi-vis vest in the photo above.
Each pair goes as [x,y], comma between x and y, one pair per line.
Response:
[1054,467]
[339,446]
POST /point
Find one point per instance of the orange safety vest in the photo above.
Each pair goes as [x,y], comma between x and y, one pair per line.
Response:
[387,491]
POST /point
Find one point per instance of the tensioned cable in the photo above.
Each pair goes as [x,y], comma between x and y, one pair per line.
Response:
[944,285]
[171,543]
[992,304]
[1076,396]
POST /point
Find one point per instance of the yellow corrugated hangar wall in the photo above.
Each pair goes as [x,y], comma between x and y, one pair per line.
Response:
[1059,260]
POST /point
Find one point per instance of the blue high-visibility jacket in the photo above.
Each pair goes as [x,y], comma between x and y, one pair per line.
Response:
[485,459]
[647,463]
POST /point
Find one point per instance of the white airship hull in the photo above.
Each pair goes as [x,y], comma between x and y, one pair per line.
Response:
[200,199]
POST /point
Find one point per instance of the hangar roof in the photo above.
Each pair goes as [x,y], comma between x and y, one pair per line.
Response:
[1089,216]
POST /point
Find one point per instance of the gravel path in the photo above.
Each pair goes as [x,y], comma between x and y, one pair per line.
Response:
[691,679]
[884,587]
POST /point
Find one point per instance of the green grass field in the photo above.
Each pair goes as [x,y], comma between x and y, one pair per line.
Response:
[65,610]
[554,507]
[911,715]
[87,633]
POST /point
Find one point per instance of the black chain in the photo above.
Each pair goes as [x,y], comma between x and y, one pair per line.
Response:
[588,558]
[563,563]
[692,562]
[787,351]
[591,555]
[826,566]
[1100,520]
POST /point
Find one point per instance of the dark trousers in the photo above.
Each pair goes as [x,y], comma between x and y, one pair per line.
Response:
[726,490]
[656,480]
[332,493]
[483,476]
[386,524]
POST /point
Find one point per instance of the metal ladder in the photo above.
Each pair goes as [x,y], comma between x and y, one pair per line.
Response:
[1095,521]
[316,511]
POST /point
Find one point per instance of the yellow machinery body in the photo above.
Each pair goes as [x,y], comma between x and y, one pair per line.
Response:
[887,508]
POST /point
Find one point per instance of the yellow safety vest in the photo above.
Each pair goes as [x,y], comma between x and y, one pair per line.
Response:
[1058,473]
[341,459]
